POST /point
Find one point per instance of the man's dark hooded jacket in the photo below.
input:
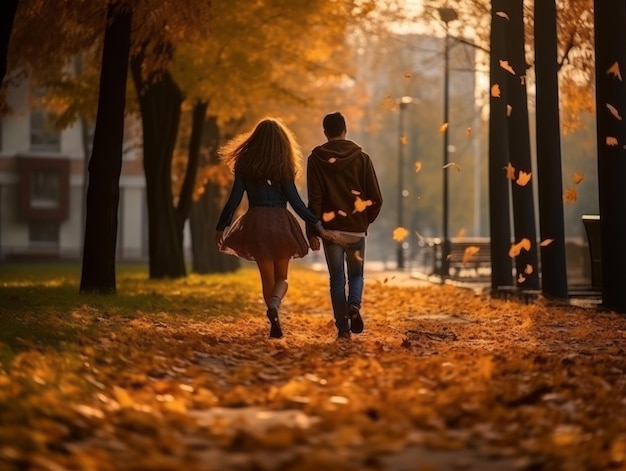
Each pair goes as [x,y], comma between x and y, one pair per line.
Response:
[342,187]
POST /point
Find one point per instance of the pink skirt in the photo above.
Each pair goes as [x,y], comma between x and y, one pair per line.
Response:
[265,233]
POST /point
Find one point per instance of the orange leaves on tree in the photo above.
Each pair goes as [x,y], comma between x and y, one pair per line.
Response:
[516,249]
[399,234]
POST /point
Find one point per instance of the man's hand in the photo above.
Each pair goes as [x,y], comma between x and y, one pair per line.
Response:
[314,242]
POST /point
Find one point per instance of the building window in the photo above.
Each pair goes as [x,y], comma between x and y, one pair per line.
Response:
[43,135]
[45,189]
[43,233]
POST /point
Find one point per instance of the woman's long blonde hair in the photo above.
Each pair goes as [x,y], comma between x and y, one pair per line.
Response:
[268,152]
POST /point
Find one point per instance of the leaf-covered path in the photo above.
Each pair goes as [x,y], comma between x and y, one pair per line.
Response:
[175,375]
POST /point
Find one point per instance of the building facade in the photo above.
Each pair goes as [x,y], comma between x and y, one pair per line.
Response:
[42,188]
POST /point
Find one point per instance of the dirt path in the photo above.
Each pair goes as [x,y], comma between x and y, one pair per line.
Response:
[441,379]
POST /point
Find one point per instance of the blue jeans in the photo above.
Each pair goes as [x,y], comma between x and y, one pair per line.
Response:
[338,258]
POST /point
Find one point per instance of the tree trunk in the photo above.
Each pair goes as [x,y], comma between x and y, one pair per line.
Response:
[204,215]
[610,52]
[549,175]
[499,201]
[160,102]
[8,9]
[519,148]
[105,165]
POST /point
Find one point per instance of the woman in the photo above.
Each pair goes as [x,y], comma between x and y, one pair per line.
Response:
[265,163]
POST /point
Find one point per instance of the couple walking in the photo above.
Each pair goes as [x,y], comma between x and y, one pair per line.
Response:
[343,200]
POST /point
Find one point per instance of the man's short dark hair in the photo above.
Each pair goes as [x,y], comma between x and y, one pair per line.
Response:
[334,124]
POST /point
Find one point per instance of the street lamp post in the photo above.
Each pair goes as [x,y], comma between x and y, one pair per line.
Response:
[446,15]
[402,104]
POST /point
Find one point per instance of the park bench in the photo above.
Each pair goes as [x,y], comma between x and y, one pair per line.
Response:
[468,256]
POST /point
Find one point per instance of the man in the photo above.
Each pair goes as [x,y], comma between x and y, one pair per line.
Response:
[343,191]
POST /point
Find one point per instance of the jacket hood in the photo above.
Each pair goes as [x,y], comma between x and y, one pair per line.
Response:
[337,153]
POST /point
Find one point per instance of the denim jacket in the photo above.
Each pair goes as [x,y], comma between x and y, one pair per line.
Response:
[267,194]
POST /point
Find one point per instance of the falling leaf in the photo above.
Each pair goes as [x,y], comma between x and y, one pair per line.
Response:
[505,65]
[355,192]
[495,90]
[418,166]
[453,164]
[509,110]
[516,249]
[502,14]
[611,141]
[269,182]
[468,132]
[522,80]
[361,205]
[420,236]
[510,171]
[570,195]
[404,140]
[578,177]
[614,111]
[470,252]
[408,75]
[328,216]
[614,71]
[442,128]
[528,269]
[521,278]
[341,212]
[357,255]
[523,178]
[332,160]
[546,242]
[388,103]
[399,234]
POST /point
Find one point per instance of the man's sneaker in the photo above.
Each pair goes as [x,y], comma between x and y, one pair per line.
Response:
[356,322]
[344,335]
[275,330]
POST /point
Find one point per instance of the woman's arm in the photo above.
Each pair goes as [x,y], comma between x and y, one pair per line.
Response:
[297,204]
[236,194]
